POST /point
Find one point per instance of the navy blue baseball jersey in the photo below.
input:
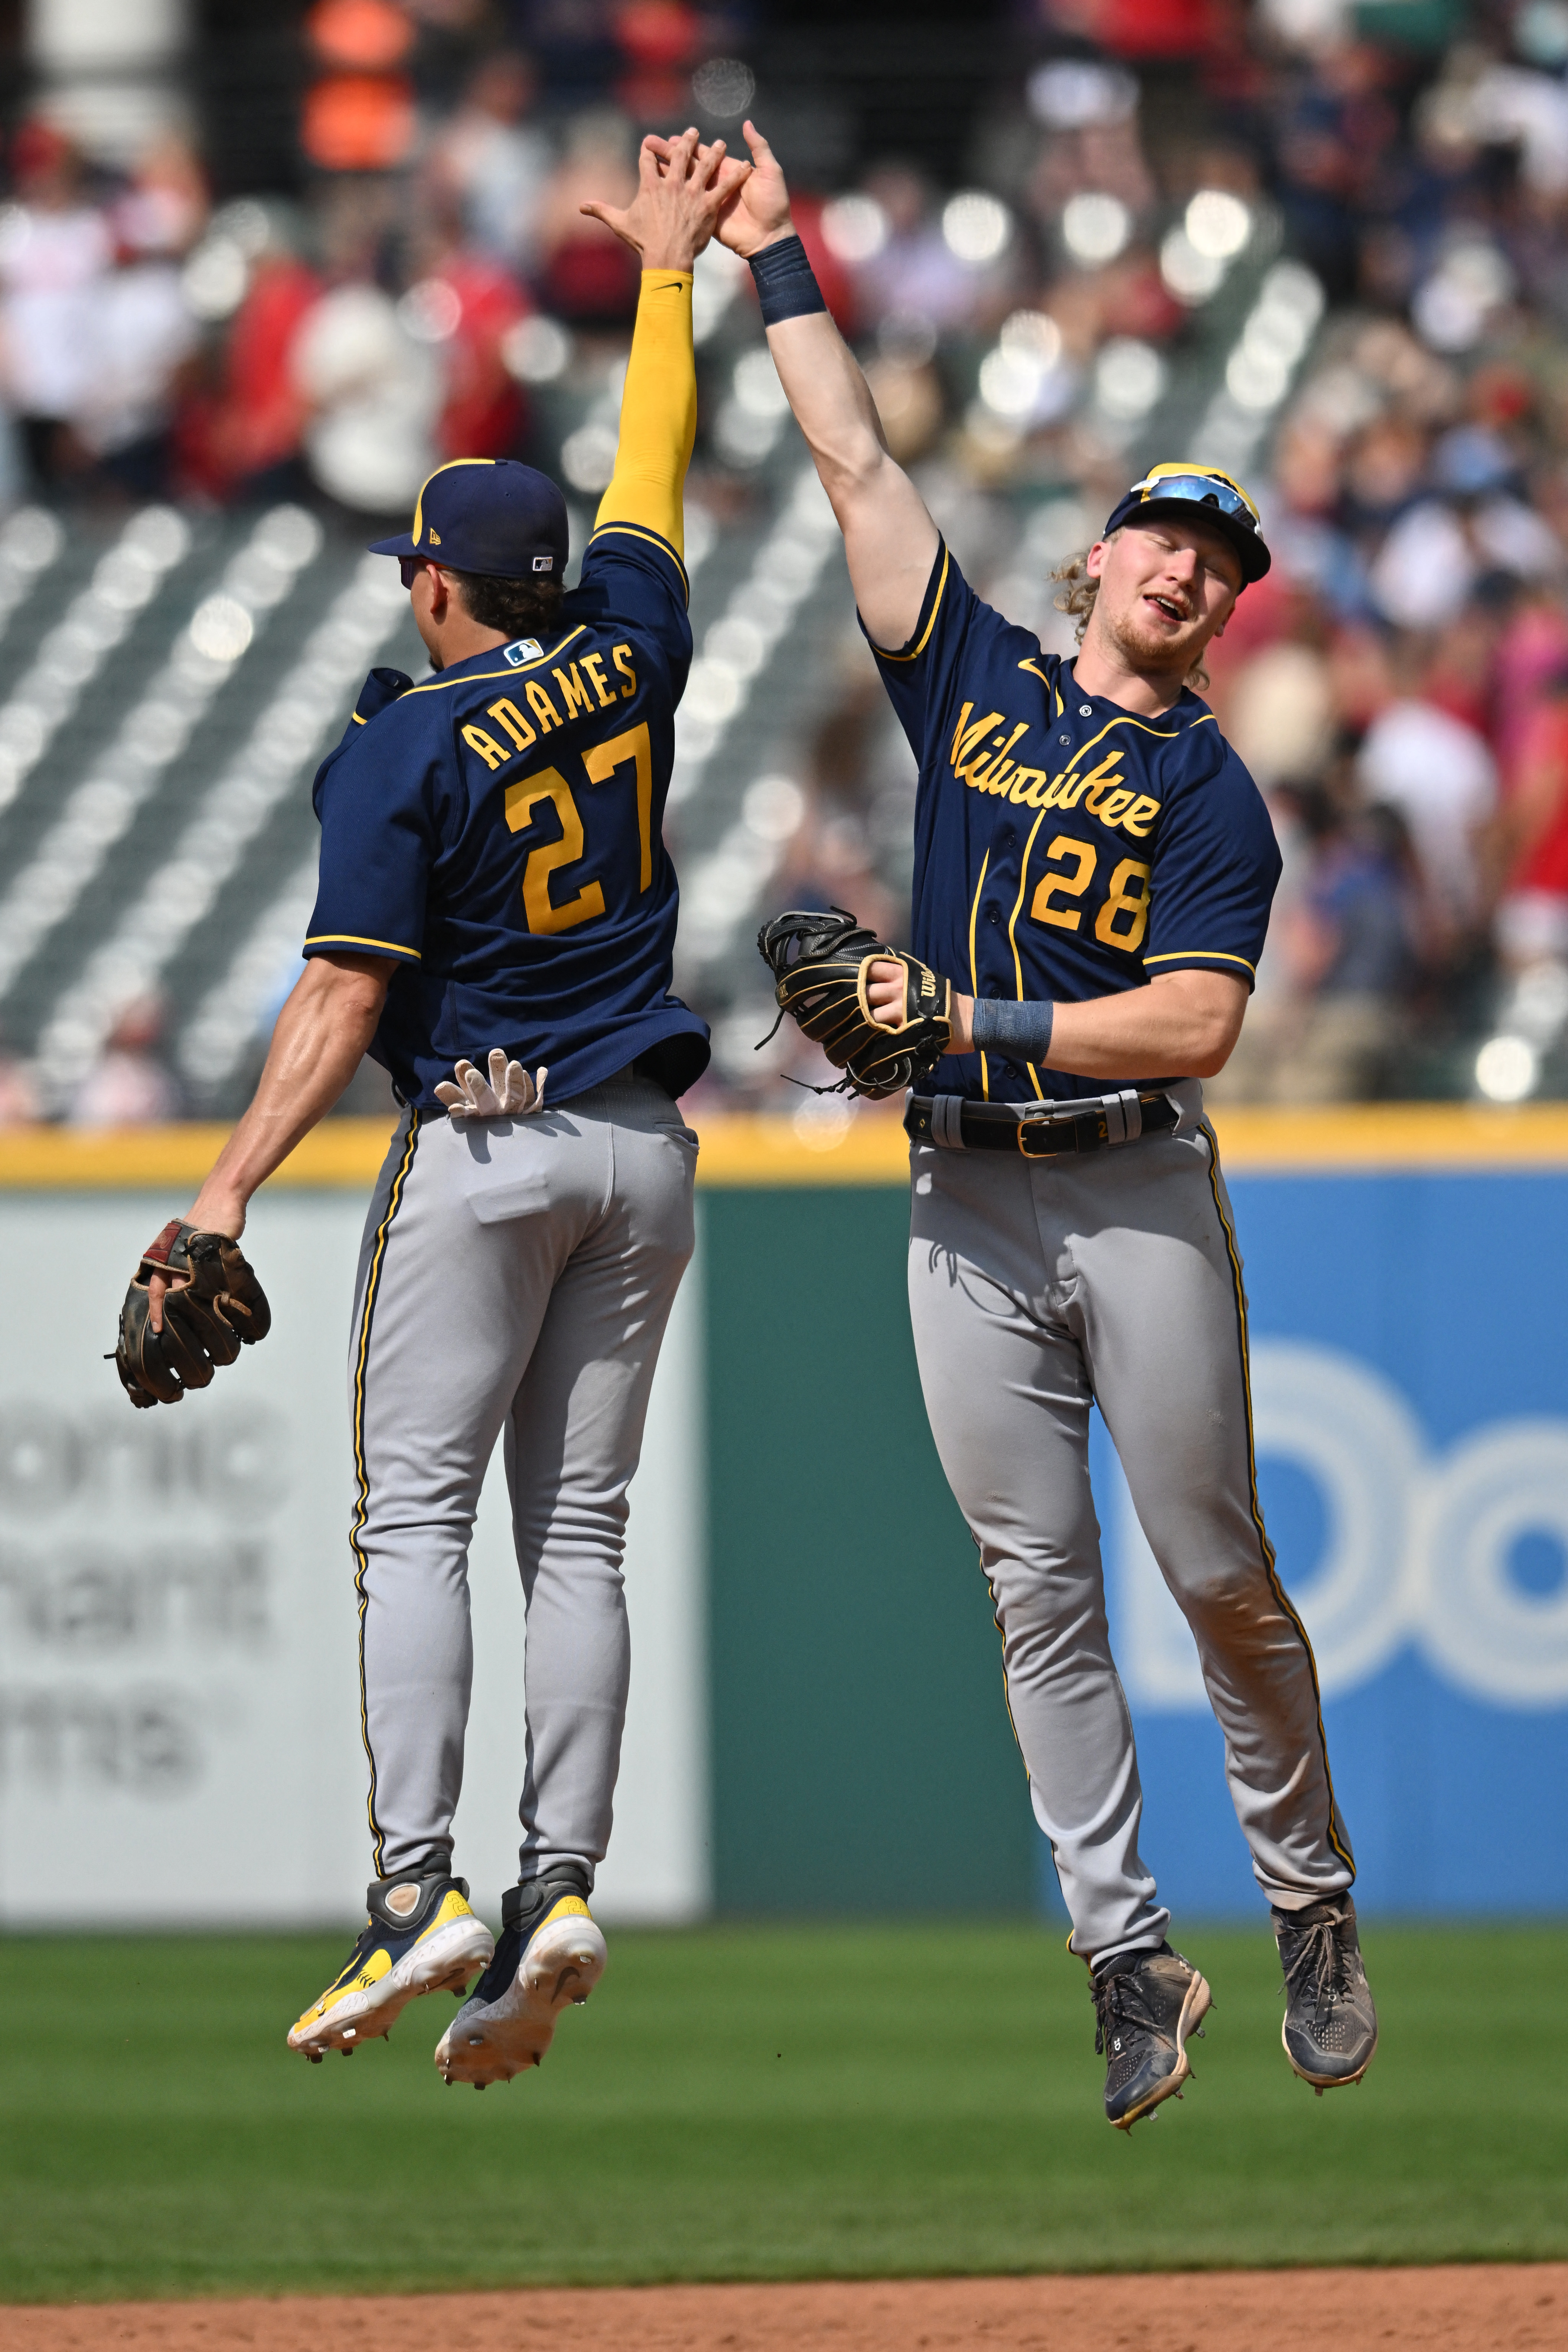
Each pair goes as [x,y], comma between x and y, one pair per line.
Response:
[498,832]
[1065,848]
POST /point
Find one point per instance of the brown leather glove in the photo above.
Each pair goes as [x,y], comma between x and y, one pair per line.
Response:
[206,1320]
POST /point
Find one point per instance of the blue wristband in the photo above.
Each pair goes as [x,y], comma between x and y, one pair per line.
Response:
[785,282]
[1019,1033]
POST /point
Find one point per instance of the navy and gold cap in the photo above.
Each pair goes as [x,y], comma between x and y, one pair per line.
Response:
[1204,494]
[489,515]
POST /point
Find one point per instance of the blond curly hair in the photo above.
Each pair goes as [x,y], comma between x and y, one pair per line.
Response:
[1076,600]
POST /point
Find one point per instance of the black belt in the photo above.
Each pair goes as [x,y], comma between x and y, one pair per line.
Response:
[1042,1132]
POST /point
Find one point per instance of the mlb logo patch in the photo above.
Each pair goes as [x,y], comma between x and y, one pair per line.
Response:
[526,649]
[544,563]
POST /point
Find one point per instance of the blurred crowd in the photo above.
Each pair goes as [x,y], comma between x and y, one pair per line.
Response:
[1399,685]
[1392,177]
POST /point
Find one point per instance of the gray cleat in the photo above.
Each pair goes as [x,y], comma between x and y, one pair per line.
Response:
[1331,2026]
[551,1954]
[1145,2005]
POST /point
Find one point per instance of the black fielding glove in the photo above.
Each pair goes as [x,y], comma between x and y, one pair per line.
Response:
[821,965]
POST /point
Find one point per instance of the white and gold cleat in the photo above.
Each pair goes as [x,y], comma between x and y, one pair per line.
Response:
[421,1937]
[551,1954]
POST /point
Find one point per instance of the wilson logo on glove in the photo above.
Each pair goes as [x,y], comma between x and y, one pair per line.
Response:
[821,965]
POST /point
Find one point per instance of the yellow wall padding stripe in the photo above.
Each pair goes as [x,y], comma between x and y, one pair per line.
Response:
[1265,1547]
[915,651]
[362,1501]
[761,1148]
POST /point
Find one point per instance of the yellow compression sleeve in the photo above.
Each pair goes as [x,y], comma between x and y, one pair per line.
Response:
[658,412]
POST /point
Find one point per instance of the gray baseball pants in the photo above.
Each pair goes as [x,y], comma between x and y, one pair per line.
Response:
[515,1279]
[1036,1288]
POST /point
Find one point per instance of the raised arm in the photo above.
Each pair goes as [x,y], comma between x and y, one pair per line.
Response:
[889,539]
[668,221]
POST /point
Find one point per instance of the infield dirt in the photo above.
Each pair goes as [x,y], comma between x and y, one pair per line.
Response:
[1485,2307]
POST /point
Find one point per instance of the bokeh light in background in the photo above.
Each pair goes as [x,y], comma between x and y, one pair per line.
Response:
[284,261]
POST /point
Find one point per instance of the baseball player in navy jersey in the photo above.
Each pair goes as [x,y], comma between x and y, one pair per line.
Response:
[495,923]
[1093,871]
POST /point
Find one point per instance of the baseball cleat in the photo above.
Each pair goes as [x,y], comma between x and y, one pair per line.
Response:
[1330,2031]
[550,1953]
[420,1936]
[1145,2006]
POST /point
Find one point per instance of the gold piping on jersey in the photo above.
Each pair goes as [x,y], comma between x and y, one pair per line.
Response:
[1162,734]
[361,1502]
[347,940]
[1028,664]
[1213,955]
[915,651]
[1266,1547]
[973,979]
[1013,941]
[636,531]
[440,685]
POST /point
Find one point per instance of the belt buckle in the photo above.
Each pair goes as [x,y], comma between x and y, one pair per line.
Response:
[1082,1130]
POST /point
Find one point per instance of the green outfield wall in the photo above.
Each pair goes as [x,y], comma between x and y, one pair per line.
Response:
[861,1753]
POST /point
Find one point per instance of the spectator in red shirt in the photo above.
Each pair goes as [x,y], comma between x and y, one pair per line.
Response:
[1530,841]
[239,438]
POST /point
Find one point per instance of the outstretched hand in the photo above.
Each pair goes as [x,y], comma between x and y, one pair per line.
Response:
[682,189]
[756,210]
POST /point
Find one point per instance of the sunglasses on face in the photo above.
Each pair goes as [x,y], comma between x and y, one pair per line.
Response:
[409,567]
[1202,490]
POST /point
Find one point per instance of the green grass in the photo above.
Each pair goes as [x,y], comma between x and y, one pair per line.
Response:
[757,2103]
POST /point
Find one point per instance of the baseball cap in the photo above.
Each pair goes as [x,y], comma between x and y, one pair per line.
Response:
[1204,494]
[489,515]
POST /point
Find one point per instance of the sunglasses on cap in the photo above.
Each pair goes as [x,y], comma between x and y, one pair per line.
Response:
[1201,489]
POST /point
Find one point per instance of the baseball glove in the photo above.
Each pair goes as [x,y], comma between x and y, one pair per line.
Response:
[821,966]
[221,1308]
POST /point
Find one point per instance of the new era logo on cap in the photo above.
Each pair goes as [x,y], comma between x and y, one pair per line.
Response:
[488,515]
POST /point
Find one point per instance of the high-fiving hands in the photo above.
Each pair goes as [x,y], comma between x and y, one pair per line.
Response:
[756,210]
[683,188]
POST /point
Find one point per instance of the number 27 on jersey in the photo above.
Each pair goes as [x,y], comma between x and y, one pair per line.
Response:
[544,913]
